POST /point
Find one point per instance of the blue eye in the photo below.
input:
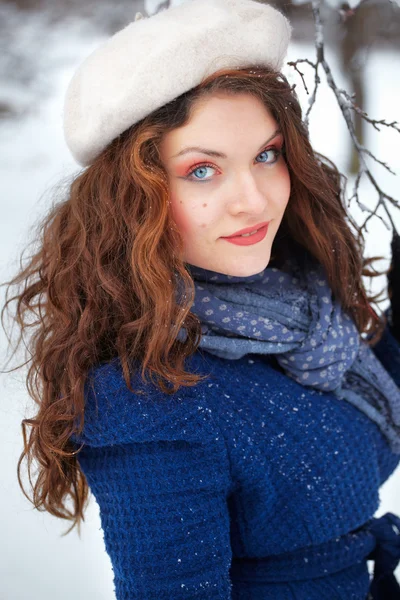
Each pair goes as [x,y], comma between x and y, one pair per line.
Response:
[274,150]
[202,169]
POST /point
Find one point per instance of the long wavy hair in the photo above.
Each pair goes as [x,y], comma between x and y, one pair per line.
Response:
[103,280]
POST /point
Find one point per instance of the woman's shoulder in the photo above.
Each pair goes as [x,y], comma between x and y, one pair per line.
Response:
[116,415]
[387,350]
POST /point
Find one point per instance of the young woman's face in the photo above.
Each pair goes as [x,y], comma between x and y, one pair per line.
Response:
[215,196]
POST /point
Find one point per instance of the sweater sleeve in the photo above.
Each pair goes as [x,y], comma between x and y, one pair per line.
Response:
[163,507]
[387,350]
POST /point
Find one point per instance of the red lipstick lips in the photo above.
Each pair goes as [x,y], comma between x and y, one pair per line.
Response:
[250,239]
[247,229]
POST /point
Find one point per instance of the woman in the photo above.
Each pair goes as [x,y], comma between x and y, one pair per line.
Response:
[248,464]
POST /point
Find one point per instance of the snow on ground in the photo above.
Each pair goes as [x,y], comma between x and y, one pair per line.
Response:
[34,159]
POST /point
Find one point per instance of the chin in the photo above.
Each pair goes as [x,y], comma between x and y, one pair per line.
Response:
[247,268]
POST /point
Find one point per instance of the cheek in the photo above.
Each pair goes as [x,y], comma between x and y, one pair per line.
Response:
[287,190]
[191,215]
[178,212]
[283,185]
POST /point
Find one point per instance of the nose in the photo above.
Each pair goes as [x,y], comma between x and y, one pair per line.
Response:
[248,195]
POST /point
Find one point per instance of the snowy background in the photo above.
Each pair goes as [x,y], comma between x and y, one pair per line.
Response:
[35,562]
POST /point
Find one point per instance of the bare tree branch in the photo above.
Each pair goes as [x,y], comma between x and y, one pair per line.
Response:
[347,106]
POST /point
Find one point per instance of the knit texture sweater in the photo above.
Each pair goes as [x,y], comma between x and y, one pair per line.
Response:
[246,486]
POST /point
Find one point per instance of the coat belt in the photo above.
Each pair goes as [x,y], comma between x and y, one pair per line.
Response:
[377,540]
[386,554]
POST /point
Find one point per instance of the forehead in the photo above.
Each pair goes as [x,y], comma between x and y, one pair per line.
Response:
[222,106]
[219,114]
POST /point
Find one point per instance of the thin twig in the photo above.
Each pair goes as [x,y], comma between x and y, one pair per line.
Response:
[347,106]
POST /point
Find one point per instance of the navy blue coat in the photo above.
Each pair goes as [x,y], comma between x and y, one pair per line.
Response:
[245,486]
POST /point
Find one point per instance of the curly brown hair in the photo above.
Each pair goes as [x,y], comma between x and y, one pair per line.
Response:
[103,282]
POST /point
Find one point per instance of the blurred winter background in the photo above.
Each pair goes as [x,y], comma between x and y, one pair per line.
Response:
[42,42]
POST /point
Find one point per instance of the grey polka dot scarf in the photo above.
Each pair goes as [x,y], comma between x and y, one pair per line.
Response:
[292,314]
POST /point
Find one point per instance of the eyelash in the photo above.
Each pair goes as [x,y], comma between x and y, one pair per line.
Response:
[278,153]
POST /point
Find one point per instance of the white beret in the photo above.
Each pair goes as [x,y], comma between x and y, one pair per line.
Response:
[155,59]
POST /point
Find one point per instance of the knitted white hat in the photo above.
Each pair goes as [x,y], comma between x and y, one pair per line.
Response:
[155,59]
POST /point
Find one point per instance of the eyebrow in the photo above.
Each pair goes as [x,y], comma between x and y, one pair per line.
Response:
[220,154]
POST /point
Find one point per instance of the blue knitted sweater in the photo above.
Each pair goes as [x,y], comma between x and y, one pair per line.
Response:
[246,486]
